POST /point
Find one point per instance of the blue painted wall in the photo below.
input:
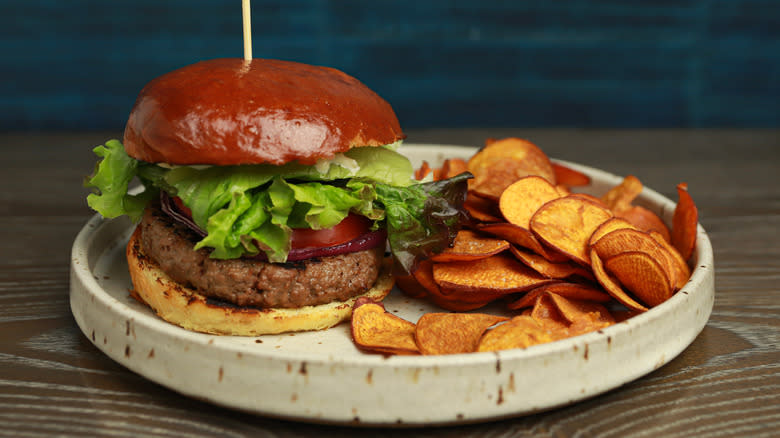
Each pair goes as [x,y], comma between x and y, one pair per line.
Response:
[78,64]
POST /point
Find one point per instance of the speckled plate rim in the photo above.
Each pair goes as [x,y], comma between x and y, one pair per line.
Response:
[348,387]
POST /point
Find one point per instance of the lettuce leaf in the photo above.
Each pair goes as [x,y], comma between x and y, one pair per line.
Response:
[250,209]
[112,178]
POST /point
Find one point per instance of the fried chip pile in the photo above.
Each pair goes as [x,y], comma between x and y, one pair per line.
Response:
[563,263]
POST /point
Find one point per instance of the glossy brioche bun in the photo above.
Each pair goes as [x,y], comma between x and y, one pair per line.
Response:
[188,309]
[231,111]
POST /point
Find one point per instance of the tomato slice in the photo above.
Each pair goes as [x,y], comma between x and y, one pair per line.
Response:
[348,229]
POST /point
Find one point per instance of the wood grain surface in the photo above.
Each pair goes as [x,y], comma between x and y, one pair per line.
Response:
[53,381]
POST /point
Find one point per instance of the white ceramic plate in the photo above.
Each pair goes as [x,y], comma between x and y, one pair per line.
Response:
[322,377]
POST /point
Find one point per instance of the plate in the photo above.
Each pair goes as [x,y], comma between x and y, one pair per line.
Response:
[321,377]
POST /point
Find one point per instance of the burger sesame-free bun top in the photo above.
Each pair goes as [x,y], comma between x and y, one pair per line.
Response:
[232,111]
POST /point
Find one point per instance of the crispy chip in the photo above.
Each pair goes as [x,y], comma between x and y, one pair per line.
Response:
[500,273]
[555,270]
[625,240]
[621,196]
[642,274]
[644,220]
[453,167]
[375,330]
[569,177]
[611,285]
[684,223]
[410,286]
[482,209]
[469,245]
[424,276]
[519,332]
[422,171]
[612,224]
[521,237]
[452,333]
[451,301]
[496,178]
[562,190]
[682,272]
[521,199]
[573,316]
[545,311]
[574,311]
[502,162]
[575,291]
[567,223]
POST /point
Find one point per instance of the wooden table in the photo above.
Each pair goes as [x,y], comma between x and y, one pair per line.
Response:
[727,383]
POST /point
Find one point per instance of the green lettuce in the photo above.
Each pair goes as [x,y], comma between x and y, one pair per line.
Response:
[250,209]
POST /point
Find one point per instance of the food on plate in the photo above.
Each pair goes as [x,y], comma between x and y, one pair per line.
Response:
[452,333]
[270,190]
[684,223]
[375,330]
[552,317]
[558,262]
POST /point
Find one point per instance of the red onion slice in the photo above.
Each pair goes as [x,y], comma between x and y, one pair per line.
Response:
[367,240]
[169,207]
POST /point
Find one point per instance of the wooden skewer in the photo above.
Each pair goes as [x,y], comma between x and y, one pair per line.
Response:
[247,30]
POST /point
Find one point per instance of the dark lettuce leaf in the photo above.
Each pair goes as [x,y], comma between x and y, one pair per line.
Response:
[423,219]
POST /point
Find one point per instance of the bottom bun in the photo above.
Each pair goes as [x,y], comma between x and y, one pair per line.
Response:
[188,309]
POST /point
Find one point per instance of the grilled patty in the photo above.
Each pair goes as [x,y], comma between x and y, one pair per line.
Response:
[249,282]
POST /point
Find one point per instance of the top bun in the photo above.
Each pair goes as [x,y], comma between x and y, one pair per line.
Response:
[232,111]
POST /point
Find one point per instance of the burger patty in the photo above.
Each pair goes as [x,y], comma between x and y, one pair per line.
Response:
[248,282]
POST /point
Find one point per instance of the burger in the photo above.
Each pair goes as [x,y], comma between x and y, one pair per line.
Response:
[268,195]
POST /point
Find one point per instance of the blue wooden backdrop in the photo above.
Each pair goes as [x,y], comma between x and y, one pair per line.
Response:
[78,64]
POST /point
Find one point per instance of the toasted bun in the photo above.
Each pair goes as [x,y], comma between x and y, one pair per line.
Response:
[188,309]
[231,111]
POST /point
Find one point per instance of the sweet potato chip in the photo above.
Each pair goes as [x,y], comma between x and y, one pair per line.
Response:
[502,162]
[469,245]
[422,171]
[482,209]
[569,177]
[555,270]
[500,273]
[521,199]
[682,272]
[589,197]
[567,223]
[452,333]
[375,330]
[575,317]
[453,167]
[684,223]
[621,196]
[451,301]
[642,274]
[574,291]
[625,240]
[612,224]
[521,237]
[520,332]
[562,190]
[410,286]
[611,285]
[546,312]
[573,311]
[645,220]
[496,178]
